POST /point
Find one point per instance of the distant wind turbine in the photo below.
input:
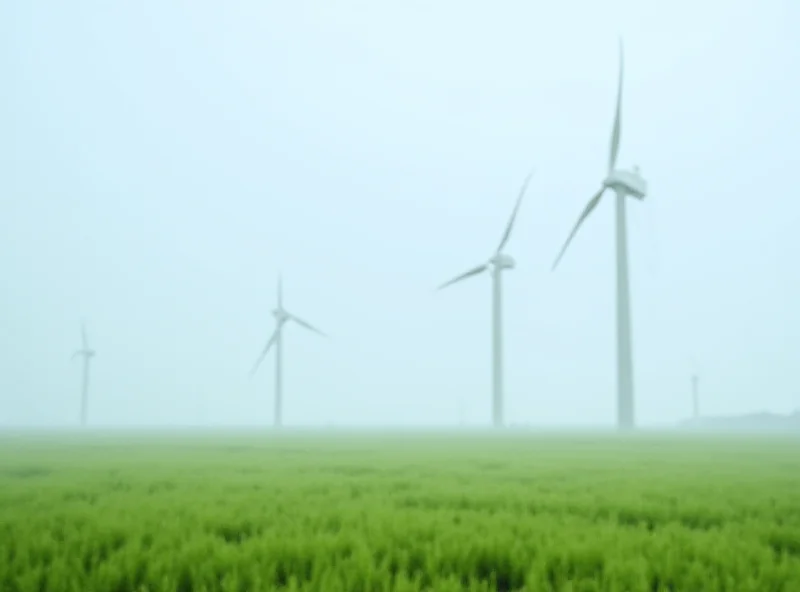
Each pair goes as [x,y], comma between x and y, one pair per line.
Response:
[625,184]
[281,318]
[87,354]
[497,263]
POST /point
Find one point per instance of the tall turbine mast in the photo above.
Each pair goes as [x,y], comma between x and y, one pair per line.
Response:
[625,184]
[87,354]
[282,316]
[497,263]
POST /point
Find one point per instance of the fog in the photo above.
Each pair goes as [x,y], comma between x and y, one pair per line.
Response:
[162,162]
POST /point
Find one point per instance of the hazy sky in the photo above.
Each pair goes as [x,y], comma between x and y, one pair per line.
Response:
[162,161]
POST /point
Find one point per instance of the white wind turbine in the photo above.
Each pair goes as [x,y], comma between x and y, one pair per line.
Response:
[695,391]
[625,184]
[497,263]
[282,316]
[87,354]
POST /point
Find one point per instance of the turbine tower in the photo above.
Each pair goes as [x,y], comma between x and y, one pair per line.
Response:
[282,316]
[87,354]
[497,263]
[625,184]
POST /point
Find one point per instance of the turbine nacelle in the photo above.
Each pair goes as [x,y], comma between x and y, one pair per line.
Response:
[503,261]
[280,315]
[627,182]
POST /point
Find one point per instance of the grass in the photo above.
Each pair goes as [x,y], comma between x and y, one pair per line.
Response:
[352,513]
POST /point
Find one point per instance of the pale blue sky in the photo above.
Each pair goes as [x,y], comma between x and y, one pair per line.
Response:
[160,162]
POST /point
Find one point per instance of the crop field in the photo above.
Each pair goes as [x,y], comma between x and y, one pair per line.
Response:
[352,513]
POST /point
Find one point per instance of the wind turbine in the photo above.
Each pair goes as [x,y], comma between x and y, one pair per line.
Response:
[282,316]
[497,263]
[87,354]
[695,392]
[625,184]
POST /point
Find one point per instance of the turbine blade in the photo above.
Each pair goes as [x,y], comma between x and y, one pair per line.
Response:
[465,275]
[585,214]
[75,355]
[510,225]
[266,349]
[306,324]
[617,129]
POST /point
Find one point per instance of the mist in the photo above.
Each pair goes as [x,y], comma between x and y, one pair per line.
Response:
[161,164]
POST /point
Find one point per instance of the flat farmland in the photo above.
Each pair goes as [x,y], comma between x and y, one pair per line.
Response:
[361,512]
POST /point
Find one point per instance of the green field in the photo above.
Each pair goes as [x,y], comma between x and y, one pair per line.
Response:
[364,512]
